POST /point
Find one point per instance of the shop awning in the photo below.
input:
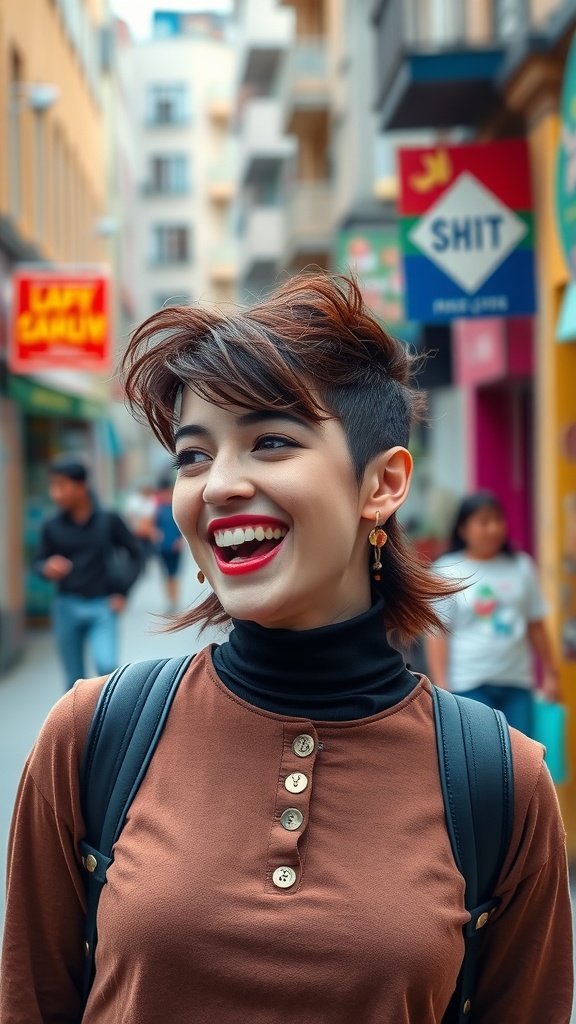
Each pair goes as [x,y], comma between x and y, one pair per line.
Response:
[39,400]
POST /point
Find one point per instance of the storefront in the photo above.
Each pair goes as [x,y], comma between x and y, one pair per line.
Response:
[38,422]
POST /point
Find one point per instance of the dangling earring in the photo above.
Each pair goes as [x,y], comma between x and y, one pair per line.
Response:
[377,538]
[200,576]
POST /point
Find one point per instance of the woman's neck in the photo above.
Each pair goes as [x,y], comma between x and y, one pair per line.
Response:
[345,670]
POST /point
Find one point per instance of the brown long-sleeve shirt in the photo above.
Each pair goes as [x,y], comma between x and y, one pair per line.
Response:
[192,925]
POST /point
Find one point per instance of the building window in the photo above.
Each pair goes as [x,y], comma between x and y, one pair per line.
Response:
[168,175]
[170,244]
[168,104]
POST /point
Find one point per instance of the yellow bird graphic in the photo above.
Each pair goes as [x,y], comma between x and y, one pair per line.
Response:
[436,171]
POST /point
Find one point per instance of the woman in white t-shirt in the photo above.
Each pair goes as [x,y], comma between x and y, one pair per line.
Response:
[496,622]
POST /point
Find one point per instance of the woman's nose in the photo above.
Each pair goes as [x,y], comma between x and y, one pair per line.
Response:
[226,481]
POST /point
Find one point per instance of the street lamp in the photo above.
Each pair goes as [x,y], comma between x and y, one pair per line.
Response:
[40,96]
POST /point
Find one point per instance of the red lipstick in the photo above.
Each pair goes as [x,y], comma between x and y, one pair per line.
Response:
[247,565]
[244,565]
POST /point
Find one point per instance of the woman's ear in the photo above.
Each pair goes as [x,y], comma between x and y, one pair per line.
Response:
[386,483]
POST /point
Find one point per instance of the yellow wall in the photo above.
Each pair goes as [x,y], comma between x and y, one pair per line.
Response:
[556,407]
[74,124]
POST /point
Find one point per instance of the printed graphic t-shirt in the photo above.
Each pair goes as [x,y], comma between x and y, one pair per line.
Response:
[488,621]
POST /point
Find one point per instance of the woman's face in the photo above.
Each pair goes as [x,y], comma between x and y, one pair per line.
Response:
[273,515]
[484,532]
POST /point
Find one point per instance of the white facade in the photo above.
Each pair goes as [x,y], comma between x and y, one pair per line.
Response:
[183,88]
[265,32]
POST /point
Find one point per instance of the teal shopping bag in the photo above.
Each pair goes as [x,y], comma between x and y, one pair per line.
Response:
[550,722]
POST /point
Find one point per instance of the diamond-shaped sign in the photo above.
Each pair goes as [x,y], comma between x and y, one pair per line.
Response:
[468,233]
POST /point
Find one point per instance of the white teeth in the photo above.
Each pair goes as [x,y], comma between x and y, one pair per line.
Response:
[234,538]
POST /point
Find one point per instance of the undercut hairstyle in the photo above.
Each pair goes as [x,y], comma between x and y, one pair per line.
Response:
[312,348]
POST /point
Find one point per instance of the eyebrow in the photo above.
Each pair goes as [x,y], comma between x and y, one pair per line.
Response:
[248,419]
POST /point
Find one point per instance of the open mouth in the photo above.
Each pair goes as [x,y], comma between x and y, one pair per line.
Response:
[244,548]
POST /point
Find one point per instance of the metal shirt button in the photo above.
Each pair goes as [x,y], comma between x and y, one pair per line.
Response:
[291,819]
[303,745]
[296,782]
[284,877]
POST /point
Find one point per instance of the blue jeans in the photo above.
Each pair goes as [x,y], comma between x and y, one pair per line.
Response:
[514,701]
[81,621]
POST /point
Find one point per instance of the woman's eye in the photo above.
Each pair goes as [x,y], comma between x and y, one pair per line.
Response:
[274,442]
[189,457]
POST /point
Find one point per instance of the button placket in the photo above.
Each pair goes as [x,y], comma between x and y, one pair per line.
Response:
[291,812]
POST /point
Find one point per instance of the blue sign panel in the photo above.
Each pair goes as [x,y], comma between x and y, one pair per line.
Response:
[433,297]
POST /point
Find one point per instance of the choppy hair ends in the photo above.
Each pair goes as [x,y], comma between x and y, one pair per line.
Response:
[313,348]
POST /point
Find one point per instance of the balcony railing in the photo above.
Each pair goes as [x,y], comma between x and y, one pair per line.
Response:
[223,263]
[305,83]
[263,240]
[222,177]
[431,50]
[265,32]
[309,219]
[262,140]
[219,104]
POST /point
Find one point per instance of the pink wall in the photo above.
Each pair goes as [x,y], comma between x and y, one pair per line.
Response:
[502,422]
[494,362]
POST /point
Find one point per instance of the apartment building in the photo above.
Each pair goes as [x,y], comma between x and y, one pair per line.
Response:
[182,81]
[492,71]
[265,152]
[52,200]
[306,90]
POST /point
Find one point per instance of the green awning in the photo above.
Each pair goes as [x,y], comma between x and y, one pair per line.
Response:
[42,401]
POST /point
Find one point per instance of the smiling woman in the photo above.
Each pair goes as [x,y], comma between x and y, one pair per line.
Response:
[333,390]
[289,837]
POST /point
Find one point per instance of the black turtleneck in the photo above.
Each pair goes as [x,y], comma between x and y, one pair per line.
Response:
[335,673]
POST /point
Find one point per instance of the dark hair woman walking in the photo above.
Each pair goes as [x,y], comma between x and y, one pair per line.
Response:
[495,624]
[286,857]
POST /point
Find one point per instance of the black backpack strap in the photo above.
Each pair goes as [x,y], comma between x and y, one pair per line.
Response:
[475,761]
[126,726]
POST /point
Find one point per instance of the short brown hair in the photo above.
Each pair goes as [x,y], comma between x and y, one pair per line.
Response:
[311,347]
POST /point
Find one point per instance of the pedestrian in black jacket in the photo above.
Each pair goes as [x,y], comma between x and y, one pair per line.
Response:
[94,559]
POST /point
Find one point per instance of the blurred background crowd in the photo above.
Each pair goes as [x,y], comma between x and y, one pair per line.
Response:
[176,153]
